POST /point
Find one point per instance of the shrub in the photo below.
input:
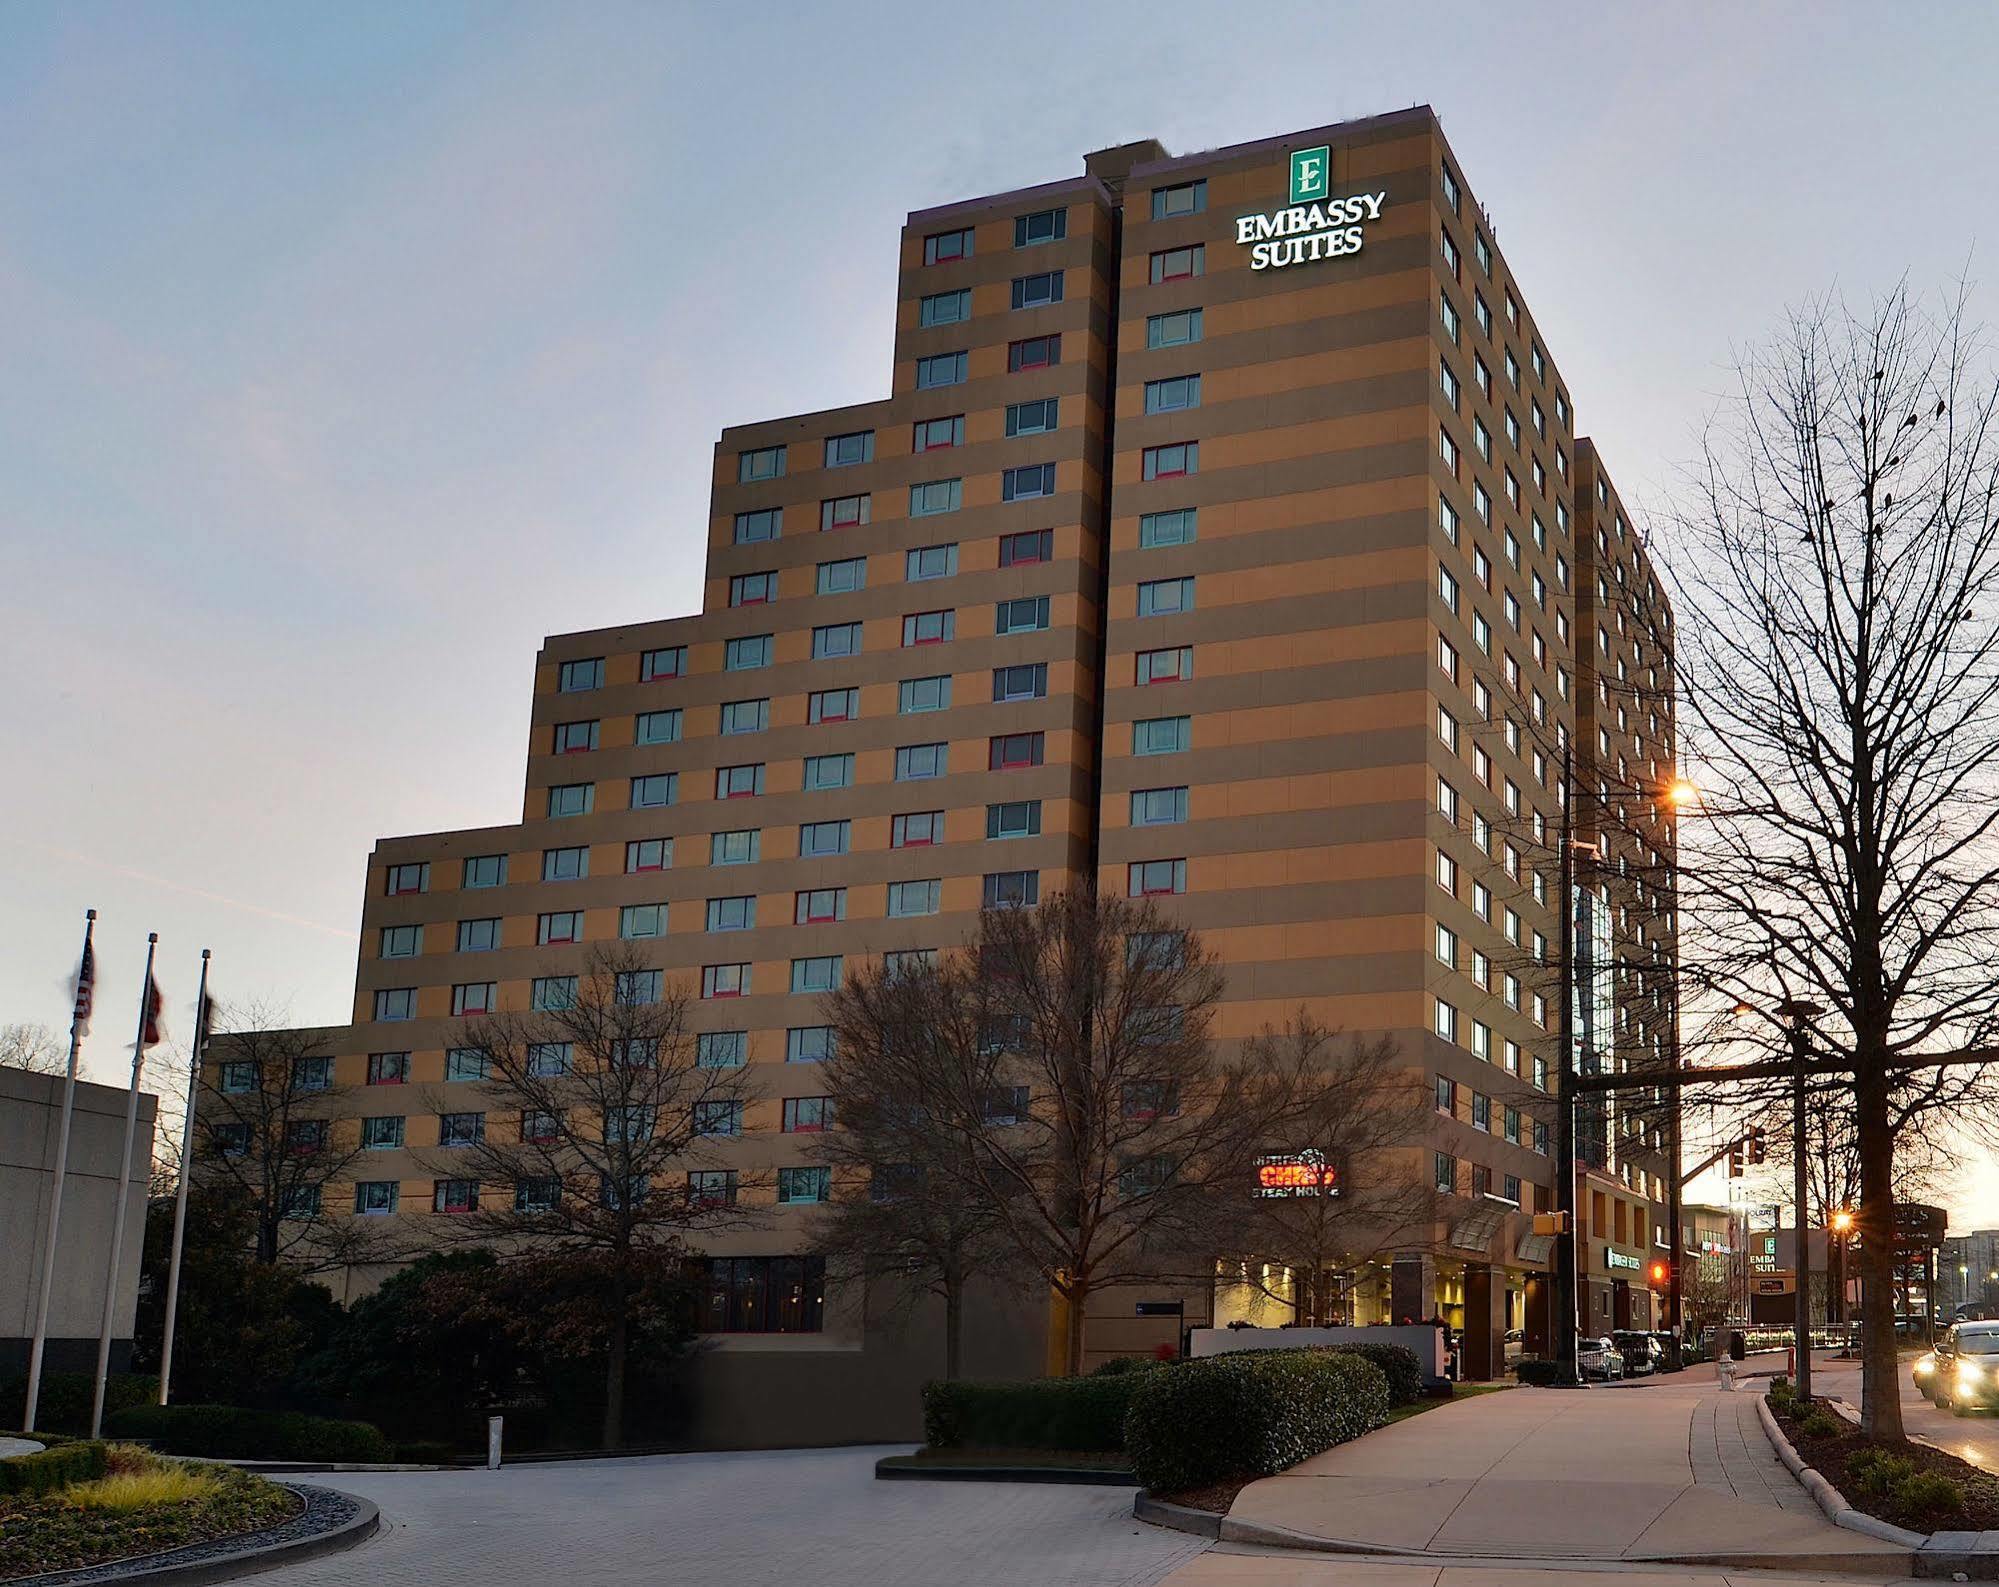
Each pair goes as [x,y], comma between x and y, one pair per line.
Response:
[1038,1413]
[1927,1497]
[1881,1476]
[64,1403]
[1398,1364]
[1821,1424]
[1781,1389]
[229,1432]
[134,1490]
[50,1470]
[1117,1366]
[1253,1413]
[1538,1372]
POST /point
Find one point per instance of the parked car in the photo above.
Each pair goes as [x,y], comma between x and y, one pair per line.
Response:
[1516,1343]
[1642,1352]
[1966,1377]
[1600,1359]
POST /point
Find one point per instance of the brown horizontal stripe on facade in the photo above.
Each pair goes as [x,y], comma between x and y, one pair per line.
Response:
[1224,839]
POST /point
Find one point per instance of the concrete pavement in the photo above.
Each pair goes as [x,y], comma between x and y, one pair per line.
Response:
[1662,1471]
[1225,1566]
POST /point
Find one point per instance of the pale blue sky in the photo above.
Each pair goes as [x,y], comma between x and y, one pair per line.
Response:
[347,350]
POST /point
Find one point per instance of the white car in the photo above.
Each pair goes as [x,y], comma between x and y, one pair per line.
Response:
[1599,1358]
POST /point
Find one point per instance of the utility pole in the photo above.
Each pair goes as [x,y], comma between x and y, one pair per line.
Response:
[1562,1323]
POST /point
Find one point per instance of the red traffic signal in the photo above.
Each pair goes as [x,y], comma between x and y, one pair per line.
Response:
[1661,1272]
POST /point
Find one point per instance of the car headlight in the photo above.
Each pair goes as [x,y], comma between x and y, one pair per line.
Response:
[1969,1374]
[1926,1366]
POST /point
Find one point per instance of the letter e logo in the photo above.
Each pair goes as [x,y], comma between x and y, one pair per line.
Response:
[1311,174]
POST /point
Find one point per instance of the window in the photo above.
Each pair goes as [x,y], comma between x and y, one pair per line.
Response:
[844,451]
[945,308]
[739,782]
[1164,666]
[1444,1173]
[745,589]
[815,975]
[1155,807]
[634,988]
[1161,735]
[401,942]
[1449,382]
[1012,890]
[725,980]
[923,694]
[916,831]
[732,914]
[843,577]
[843,512]
[816,839]
[1173,394]
[744,716]
[1032,545]
[1481,1111]
[465,1063]
[751,528]
[929,628]
[1027,615]
[945,246]
[1028,682]
[762,463]
[396,1003]
[1037,291]
[1447,1096]
[1448,450]
[1453,321]
[565,865]
[914,898]
[576,677]
[1167,528]
[796,1185]
[940,369]
[384,1069]
[819,905]
[408,879]
[1011,751]
[656,727]
[1031,418]
[1044,225]
[722,1049]
[1153,878]
[641,920]
[931,435]
[312,1074]
[553,992]
[461,1129]
[571,799]
[1023,484]
[914,762]
[558,927]
[240,1078]
[1179,329]
[1447,1021]
[824,772]
[1170,462]
[1481,312]
[1021,819]
[1163,597]
[808,1044]
[654,792]
[833,640]
[930,562]
[762,1294]
[1034,352]
[474,997]
[657,664]
[833,705]
[1188,198]
[1179,264]
[747,653]
[937,496]
[382,1134]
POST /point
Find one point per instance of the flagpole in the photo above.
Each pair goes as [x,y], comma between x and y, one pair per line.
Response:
[186,1168]
[124,1188]
[79,1016]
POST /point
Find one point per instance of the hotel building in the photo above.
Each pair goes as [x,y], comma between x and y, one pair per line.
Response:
[1225,537]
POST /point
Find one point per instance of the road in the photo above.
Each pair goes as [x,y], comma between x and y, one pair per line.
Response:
[1972,1438]
[813,1516]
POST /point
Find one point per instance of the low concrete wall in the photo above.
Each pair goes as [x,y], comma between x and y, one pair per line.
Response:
[1427,1342]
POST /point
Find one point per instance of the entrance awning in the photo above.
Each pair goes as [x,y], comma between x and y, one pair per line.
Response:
[1474,1231]
[1535,1247]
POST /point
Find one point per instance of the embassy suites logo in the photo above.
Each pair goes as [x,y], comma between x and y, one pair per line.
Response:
[1314,225]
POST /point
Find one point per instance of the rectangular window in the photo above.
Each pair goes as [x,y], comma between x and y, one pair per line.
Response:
[395,1003]
[461,1129]
[725,980]
[924,694]
[1029,546]
[384,1069]
[565,865]
[1024,484]
[576,677]
[559,926]
[571,799]
[641,920]
[750,589]
[1187,198]
[834,640]
[917,830]
[807,1115]
[753,528]
[744,716]
[1163,597]
[474,998]
[933,435]
[819,906]
[945,308]
[553,993]
[575,738]
[735,848]
[1012,890]
[934,497]
[668,663]
[466,1063]
[1154,878]
[732,914]
[711,1187]
[816,839]
[815,975]
[312,1074]
[739,782]
[1027,615]
[929,562]
[485,870]
[1012,751]
[408,879]
[1175,528]
[1444,1173]
[1179,264]
[747,653]
[833,705]
[945,246]
[648,854]
[1031,418]
[1037,291]
[654,792]
[1173,394]
[1021,819]
[239,1079]
[762,1294]
[1164,666]
[843,577]
[1161,735]
[1027,682]
[914,898]
[808,1044]
[940,369]
[722,1049]
[718,1118]
[1154,807]
[1171,462]
[401,942]
[765,462]
[656,727]
[823,772]
[1178,329]
[929,628]
[376,1198]
[799,1185]
[455,1195]
[1034,352]
[1044,225]
[844,451]
[382,1134]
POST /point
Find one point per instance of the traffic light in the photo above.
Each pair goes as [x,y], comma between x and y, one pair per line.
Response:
[1551,1223]
[1756,1144]
[1661,1274]
[1735,1161]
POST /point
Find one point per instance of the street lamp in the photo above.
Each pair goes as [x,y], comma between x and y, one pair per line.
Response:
[1842,1231]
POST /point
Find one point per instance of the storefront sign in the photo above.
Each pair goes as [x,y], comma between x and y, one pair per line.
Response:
[1619,1259]
[1296,1174]
[1314,225]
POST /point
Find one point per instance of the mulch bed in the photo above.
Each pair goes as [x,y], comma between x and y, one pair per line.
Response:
[46,1533]
[1216,1496]
[1829,1456]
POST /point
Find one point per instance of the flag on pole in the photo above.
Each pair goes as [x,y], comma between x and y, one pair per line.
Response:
[155,1002]
[86,984]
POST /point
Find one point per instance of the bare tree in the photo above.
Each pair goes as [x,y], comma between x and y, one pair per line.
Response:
[1839,652]
[33,1047]
[612,1146]
[1343,1186]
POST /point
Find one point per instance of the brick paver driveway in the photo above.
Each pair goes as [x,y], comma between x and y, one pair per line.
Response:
[814,1516]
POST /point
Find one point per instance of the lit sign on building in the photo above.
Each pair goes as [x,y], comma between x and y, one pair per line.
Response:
[1296,1174]
[1619,1259]
[1314,225]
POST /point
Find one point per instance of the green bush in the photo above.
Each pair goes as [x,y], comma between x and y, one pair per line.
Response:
[1117,1366]
[1821,1424]
[51,1470]
[1248,1414]
[64,1403]
[1038,1413]
[1880,1476]
[1927,1497]
[231,1433]
[1782,1389]
[1398,1363]
[1537,1372]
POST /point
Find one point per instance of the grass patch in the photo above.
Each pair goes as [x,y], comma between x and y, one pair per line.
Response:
[1459,1391]
[142,1504]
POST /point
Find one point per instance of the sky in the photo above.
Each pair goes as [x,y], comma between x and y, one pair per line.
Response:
[345,351]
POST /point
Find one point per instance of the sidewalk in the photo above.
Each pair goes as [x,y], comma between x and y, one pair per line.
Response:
[1667,1471]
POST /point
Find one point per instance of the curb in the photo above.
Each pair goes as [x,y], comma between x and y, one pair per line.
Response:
[1176,1517]
[1072,1476]
[208,1567]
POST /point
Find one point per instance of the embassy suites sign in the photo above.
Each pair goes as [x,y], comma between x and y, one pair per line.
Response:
[1314,225]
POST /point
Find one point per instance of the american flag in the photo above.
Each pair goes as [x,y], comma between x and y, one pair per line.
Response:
[155,1001]
[86,983]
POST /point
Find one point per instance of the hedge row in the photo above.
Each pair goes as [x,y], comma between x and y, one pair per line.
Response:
[228,1432]
[1249,1414]
[1040,1413]
[1398,1363]
[50,1470]
[63,1405]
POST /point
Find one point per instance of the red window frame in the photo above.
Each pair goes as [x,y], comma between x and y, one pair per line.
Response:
[922,429]
[396,890]
[722,777]
[790,1124]
[1154,452]
[1193,256]
[440,1203]
[911,624]
[802,912]
[1145,889]
[846,697]
[999,757]
[485,990]
[1178,675]
[916,843]
[1043,541]
[634,870]
[1048,351]
[831,520]
[707,980]
[678,652]
[551,938]
[376,1078]
[741,583]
